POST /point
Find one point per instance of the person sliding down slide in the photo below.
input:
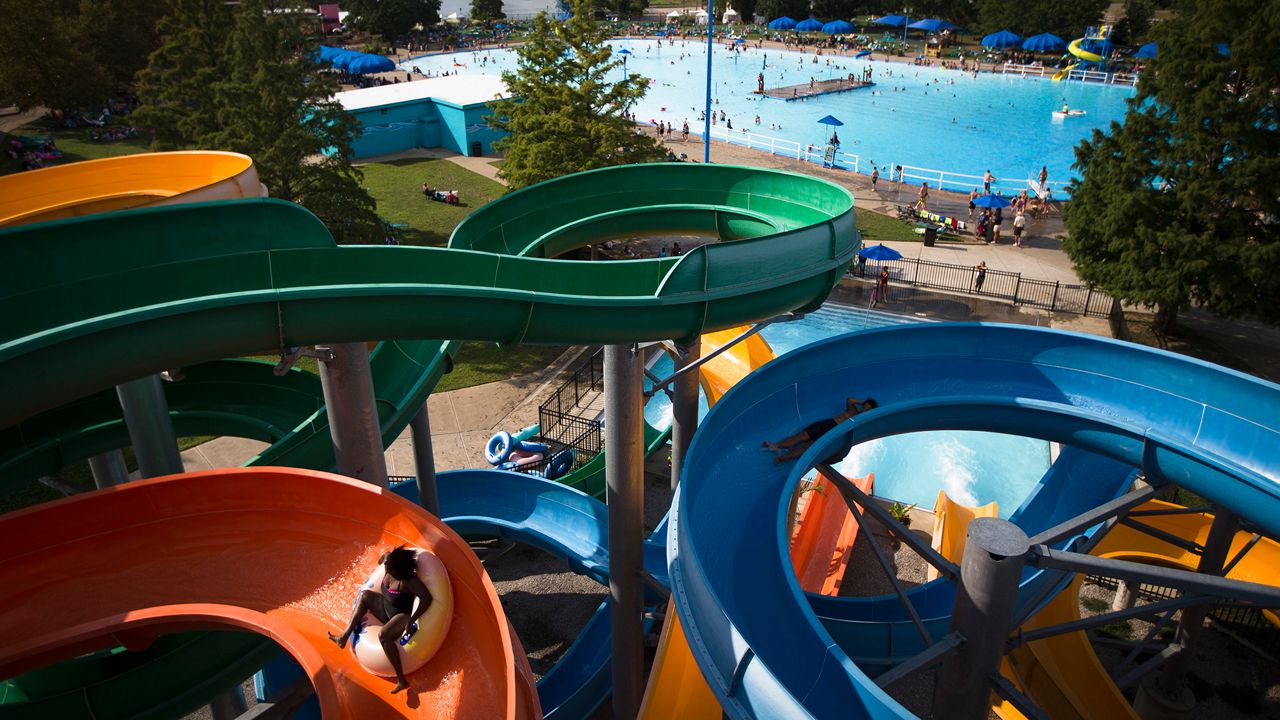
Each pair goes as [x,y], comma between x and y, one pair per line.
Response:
[795,445]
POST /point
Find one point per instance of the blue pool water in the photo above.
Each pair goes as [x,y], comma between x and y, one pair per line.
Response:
[973,467]
[1002,123]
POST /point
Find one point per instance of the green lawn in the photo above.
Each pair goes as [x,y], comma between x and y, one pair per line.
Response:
[76,146]
[397,186]
[877,227]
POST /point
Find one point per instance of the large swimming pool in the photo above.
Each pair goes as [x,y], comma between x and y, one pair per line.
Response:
[914,116]
[973,467]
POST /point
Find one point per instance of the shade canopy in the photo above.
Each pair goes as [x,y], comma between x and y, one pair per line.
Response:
[809,25]
[674,14]
[879,252]
[782,23]
[894,20]
[830,120]
[837,27]
[991,201]
[1146,51]
[369,64]
[862,54]
[932,25]
[327,52]
[1002,39]
[1044,42]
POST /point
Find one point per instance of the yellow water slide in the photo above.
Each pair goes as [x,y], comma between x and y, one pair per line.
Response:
[1074,48]
[676,687]
[951,524]
[125,182]
[1062,673]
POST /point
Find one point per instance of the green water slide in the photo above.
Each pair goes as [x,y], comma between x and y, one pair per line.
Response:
[95,301]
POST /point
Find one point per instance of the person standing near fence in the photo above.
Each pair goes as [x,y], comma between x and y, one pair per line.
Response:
[923,202]
[981,277]
[882,285]
[1019,224]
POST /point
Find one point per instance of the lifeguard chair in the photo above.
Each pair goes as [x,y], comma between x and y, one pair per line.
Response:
[933,47]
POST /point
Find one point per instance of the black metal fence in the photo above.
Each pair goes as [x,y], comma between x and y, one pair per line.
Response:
[1250,626]
[998,284]
[562,416]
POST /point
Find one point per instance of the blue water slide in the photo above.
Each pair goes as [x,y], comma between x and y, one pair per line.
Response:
[763,650]
[551,517]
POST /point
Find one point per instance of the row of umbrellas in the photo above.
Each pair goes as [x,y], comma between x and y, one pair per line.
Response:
[1044,42]
[835,27]
[356,63]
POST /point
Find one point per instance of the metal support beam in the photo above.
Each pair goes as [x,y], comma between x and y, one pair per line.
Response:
[699,362]
[108,469]
[945,567]
[229,705]
[1174,603]
[1022,703]
[1163,536]
[684,407]
[624,493]
[424,461]
[1092,517]
[994,554]
[146,414]
[353,416]
[1033,603]
[1172,681]
[925,659]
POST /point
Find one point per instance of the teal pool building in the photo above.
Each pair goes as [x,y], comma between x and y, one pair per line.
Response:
[444,112]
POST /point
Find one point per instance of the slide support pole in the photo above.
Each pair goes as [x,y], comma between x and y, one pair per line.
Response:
[146,414]
[108,469]
[1166,695]
[353,417]
[624,482]
[684,408]
[994,554]
[425,460]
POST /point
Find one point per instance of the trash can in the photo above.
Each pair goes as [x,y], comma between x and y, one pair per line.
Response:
[477,149]
[930,236]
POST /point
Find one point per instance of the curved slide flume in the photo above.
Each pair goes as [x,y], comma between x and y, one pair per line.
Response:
[276,551]
[1213,430]
[559,520]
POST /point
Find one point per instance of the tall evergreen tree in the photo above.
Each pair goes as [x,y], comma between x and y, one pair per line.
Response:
[1064,18]
[1180,205]
[567,97]
[250,85]
[746,9]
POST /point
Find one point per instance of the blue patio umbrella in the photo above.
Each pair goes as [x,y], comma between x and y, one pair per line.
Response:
[343,59]
[837,27]
[1223,49]
[661,33]
[931,25]
[1044,42]
[809,25]
[1146,51]
[892,20]
[880,252]
[862,54]
[782,23]
[370,64]
[500,26]
[739,41]
[1002,39]
[991,201]
[327,52]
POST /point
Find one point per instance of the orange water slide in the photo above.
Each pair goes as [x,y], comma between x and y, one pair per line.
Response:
[129,181]
[277,551]
[823,537]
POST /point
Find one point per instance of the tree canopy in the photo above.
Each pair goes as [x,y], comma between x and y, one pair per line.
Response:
[1180,205]
[242,78]
[566,104]
[393,18]
[1065,18]
[486,10]
[66,54]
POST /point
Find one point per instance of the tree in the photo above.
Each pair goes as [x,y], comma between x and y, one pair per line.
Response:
[746,9]
[393,18]
[1136,22]
[774,9]
[1064,18]
[66,54]
[1179,206]
[566,104]
[486,10]
[243,79]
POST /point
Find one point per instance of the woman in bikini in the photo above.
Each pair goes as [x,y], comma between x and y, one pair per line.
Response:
[394,606]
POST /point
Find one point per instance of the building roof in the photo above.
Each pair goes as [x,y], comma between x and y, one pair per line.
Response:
[458,90]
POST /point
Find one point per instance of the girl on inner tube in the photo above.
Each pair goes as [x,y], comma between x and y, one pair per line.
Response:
[393,605]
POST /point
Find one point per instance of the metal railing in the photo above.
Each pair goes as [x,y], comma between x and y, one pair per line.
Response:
[1250,626]
[939,179]
[563,419]
[1022,70]
[1051,295]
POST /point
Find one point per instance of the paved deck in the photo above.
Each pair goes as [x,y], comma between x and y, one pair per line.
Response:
[816,88]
